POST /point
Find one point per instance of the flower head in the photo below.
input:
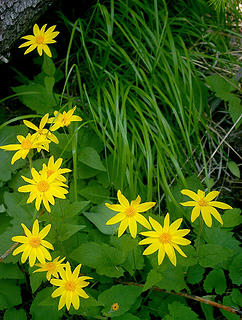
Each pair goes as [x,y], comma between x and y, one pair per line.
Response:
[42,132]
[51,268]
[129,214]
[34,247]
[43,188]
[40,40]
[70,287]
[26,144]
[165,239]
[64,119]
[115,306]
[204,204]
[53,168]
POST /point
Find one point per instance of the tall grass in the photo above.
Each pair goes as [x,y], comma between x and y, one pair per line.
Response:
[141,88]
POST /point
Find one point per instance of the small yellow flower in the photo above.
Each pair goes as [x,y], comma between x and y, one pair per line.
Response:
[204,204]
[43,188]
[129,214]
[42,132]
[34,247]
[40,40]
[51,268]
[165,239]
[54,168]
[26,144]
[70,287]
[64,119]
[115,306]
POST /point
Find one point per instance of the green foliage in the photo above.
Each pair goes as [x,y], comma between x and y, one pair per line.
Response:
[179,311]
[215,280]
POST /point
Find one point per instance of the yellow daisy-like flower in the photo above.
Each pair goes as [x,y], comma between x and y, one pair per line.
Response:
[42,132]
[54,168]
[64,119]
[26,144]
[70,287]
[43,188]
[165,239]
[129,214]
[34,247]
[52,268]
[204,204]
[40,40]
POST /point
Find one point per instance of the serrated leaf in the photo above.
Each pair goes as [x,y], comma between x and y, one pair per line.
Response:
[235,270]
[195,274]
[211,255]
[215,280]
[152,279]
[179,311]
[172,279]
[220,86]
[232,218]
[91,158]
[235,109]
[125,296]
[94,192]
[234,168]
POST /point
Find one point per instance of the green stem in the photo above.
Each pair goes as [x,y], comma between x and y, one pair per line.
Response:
[199,235]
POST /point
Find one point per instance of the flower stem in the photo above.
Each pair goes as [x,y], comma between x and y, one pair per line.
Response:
[199,235]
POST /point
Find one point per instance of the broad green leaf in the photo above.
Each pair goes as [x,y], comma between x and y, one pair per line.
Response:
[91,158]
[235,270]
[48,66]
[236,296]
[10,295]
[172,279]
[228,301]
[211,255]
[89,308]
[102,257]
[125,296]
[94,192]
[191,258]
[10,271]
[152,279]
[86,172]
[235,109]
[15,314]
[233,167]
[232,218]
[179,311]
[99,215]
[36,278]
[195,274]
[220,86]
[215,280]
[20,211]
[208,311]
[128,316]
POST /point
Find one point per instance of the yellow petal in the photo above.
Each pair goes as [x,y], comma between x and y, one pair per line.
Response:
[123,226]
[30,125]
[188,203]
[145,206]
[161,255]
[206,216]
[151,249]
[190,194]
[122,199]
[211,195]
[219,205]
[142,220]
[133,227]
[156,226]
[35,230]
[216,215]
[170,253]
[115,207]
[117,218]
[195,213]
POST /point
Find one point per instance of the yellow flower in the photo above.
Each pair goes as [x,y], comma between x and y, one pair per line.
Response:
[54,168]
[70,287]
[205,205]
[63,119]
[41,132]
[51,268]
[34,247]
[165,239]
[40,40]
[115,306]
[43,188]
[129,214]
[26,144]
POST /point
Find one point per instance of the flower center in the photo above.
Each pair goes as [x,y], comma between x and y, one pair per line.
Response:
[130,212]
[39,39]
[43,186]
[35,242]
[202,202]
[49,172]
[50,266]
[26,144]
[115,306]
[165,237]
[65,121]
[70,286]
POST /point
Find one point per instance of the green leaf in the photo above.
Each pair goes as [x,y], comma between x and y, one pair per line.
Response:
[128,316]
[9,294]
[235,109]
[195,274]
[91,158]
[94,192]
[235,270]
[215,280]
[234,168]
[152,279]
[220,86]
[172,279]
[125,296]
[191,258]
[17,208]
[48,66]
[232,218]
[13,314]
[86,172]
[179,311]
[102,257]
[36,279]
[227,301]
[10,271]
[211,254]
[99,215]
